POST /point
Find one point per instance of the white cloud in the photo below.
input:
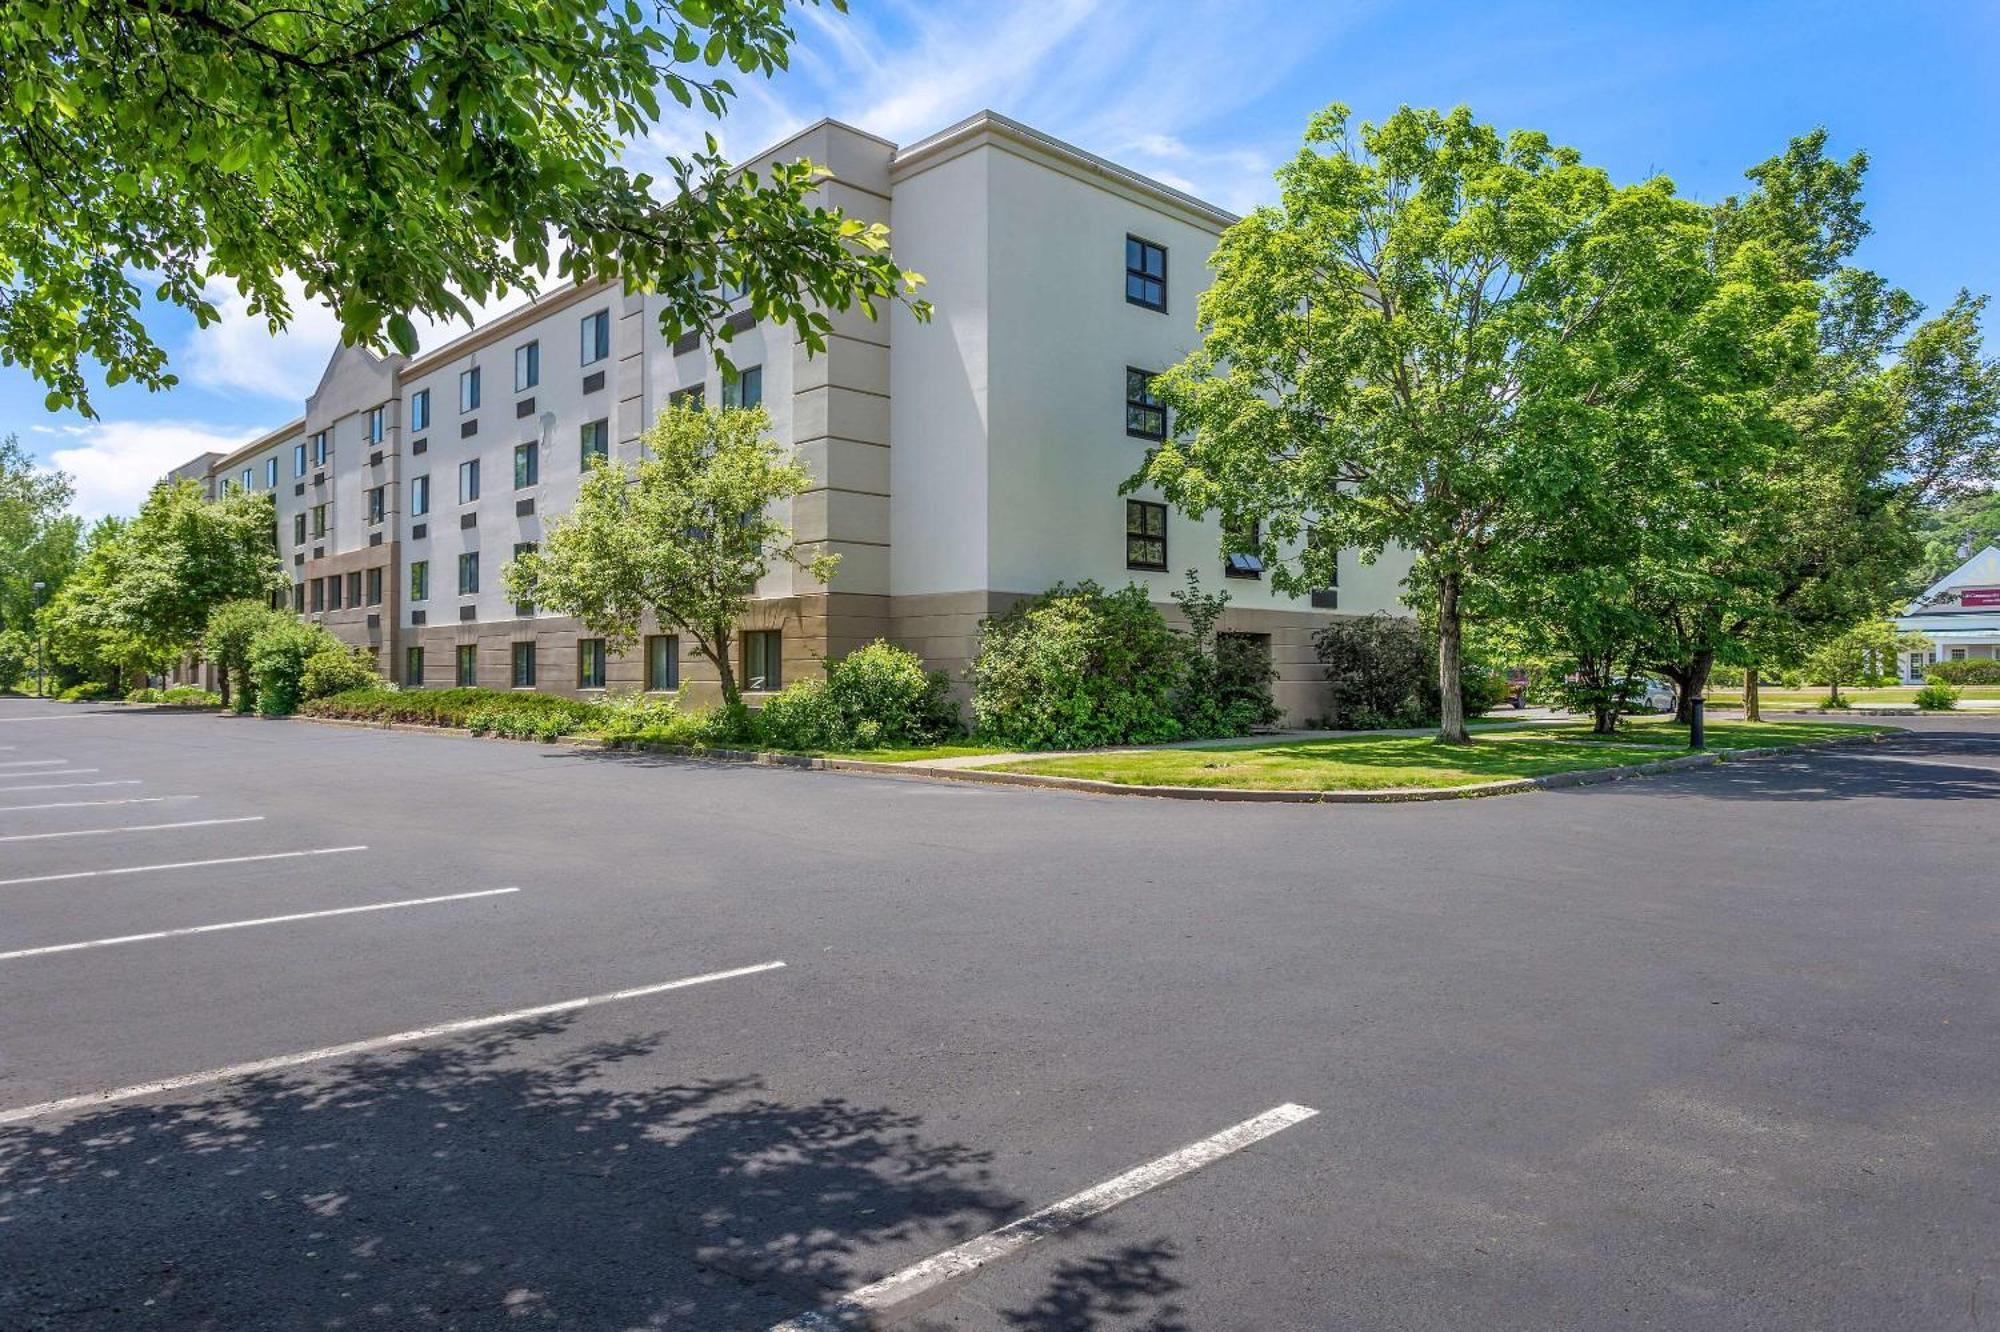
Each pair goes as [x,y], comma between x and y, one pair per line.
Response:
[115,463]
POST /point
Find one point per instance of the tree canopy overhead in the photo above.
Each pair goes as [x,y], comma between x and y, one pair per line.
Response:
[398,156]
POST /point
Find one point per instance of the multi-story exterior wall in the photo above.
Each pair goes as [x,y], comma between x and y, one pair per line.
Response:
[959,464]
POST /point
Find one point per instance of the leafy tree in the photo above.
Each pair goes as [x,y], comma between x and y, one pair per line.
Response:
[1438,338]
[38,536]
[86,639]
[1953,531]
[685,534]
[397,156]
[226,639]
[1866,652]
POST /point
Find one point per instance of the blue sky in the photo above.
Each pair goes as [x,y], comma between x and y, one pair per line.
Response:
[1211,96]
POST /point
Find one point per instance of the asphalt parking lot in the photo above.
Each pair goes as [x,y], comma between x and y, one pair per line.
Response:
[313,1027]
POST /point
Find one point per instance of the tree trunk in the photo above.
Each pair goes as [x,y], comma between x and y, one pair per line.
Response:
[222,681]
[716,649]
[1451,702]
[1692,685]
[1752,706]
[1833,688]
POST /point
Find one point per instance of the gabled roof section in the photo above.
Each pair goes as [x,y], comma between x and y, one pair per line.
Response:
[1982,570]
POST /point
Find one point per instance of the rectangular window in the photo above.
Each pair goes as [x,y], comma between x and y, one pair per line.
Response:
[298,460]
[375,586]
[596,337]
[299,528]
[524,608]
[1146,273]
[378,423]
[333,598]
[468,665]
[378,503]
[413,666]
[1241,557]
[319,520]
[468,390]
[249,478]
[420,580]
[663,661]
[354,588]
[420,495]
[527,465]
[1145,535]
[527,366]
[590,663]
[271,472]
[468,481]
[320,449]
[1145,416]
[690,398]
[761,658]
[298,597]
[468,573]
[746,389]
[420,410]
[596,442]
[319,594]
[524,665]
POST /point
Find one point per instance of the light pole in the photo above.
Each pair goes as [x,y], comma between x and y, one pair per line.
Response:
[41,640]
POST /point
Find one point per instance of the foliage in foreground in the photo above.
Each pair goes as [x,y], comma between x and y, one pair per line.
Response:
[291,663]
[875,696]
[1967,672]
[1938,696]
[1381,673]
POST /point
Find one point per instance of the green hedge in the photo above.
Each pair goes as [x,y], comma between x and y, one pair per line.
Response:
[1966,672]
[452,707]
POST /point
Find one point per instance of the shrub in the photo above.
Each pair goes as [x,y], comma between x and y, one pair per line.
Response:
[334,670]
[277,659]
[226,639]
[1228,685]
[1969,672]
[88,690]
[190,696]
[1380,672]
[1938,695]
[17,658]
[874,696]
[452,707]
[1079,666]
[143,694]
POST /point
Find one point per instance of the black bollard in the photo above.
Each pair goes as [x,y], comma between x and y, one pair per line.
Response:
[1696,737]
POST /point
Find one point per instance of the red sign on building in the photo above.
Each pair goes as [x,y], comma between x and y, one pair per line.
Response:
[1973,598]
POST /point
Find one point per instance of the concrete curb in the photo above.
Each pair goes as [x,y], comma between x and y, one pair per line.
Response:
[1093,786]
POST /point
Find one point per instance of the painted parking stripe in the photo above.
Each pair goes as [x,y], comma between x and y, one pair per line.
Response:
[130,828]
[83,804]
[77,716]
[326,1052]
[180,864]
[248,924]
[66,772]
[903,1293]
[33,763]
[64,786]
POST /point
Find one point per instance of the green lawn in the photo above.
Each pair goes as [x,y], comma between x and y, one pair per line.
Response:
[1812,698]
[1357,764]
[1719,734]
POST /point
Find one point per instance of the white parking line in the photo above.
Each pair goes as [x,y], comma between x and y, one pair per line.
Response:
[79,716]
[180,864]
[325,1052]
[83,804]
[246,924]
[33,763]
[129,828]
[903,1293]
[66,772]
[62,786]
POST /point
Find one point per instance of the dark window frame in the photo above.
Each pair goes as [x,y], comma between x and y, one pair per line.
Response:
[523,679]
[420,580]
[772,643]
[468,573]
[527,465]
[593,440]
[672,643]
[468,390]
[465,665]
[420,410]
[413,665]
[528,359]
[590,663]
[1137,512]
[1243,564]
[737,385]
[1142,274]
[1143,408]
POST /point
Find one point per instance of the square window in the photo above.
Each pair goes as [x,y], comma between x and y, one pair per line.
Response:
[746,389]
[527,366]
[590,663]
[762,660]
[663,661]
[413,666]
[468,390]
[524,665]
[1146,274]
[468,664]
[420,410]
[420,580]
[527,465]
[468,481]
[596,337]
[1145,535]
[1145,415]
[420,495]
[468,573]
[596,442]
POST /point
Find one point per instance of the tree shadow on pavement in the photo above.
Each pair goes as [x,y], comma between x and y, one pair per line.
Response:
[486,1183]
[1930,767]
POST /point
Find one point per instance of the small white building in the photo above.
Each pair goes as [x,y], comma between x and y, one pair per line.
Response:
[1959,614]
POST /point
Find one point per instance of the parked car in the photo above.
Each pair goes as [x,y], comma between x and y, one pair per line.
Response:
[1656,696]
